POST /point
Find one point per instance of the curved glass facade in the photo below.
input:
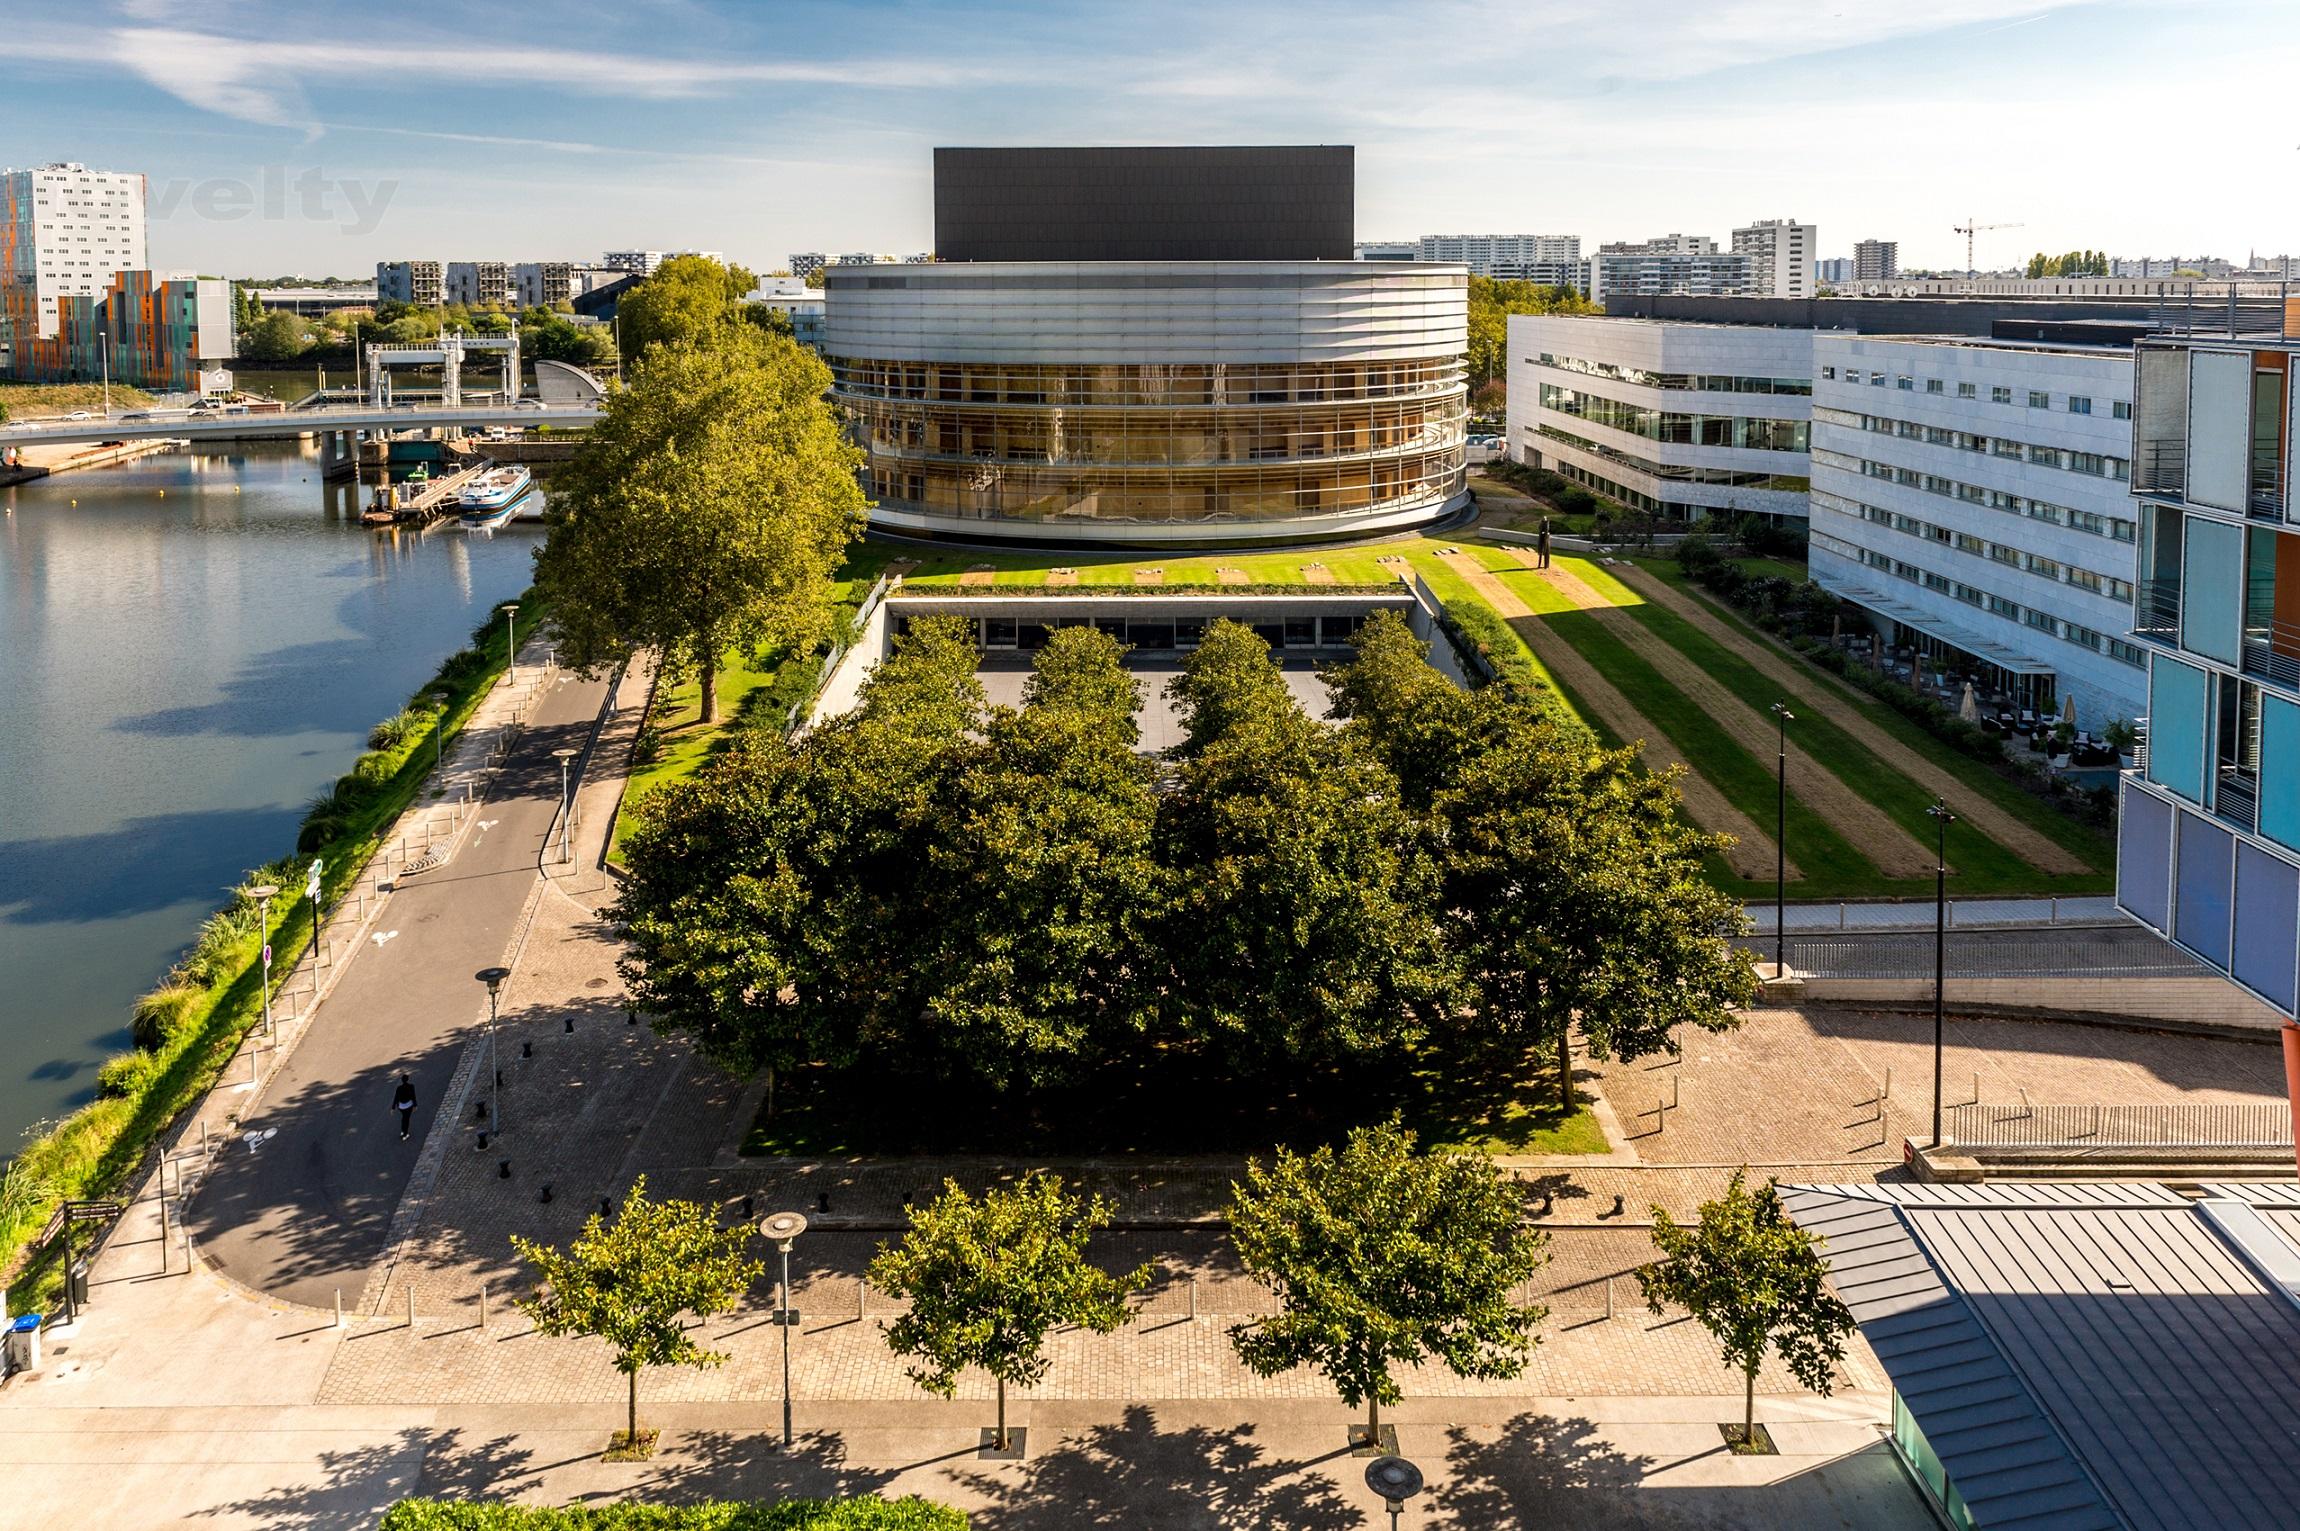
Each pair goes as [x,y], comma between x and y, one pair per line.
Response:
[1158,442]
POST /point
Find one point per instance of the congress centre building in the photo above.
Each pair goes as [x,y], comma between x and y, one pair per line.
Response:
[1155,347]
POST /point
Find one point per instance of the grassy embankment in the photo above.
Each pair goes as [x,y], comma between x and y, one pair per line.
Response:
[188,1028]
[30,401]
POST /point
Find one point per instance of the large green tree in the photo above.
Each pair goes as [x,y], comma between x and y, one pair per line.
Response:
[688,299]
[1491,302]
[1757,1282]
[1380,1257]
[1405,714]
[707,508]
[1302,924]
[632,1279]
[989,1277]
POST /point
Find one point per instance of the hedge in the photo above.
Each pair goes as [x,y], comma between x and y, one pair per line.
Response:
[720,1515]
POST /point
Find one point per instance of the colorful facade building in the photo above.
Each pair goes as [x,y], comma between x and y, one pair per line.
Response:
[146,331]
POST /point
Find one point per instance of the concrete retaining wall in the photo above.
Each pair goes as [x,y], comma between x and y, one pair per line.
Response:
[2171,1001]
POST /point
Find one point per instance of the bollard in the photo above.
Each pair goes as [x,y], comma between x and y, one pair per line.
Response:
[251,1062]
[203,1139]
[1193,1296]
[862,1301]
[339,1307]
[1976,1087]
[163,1215]
[482,1307]
[1887,1092]
[1673,1078]
[1609,1299]
[411,1307]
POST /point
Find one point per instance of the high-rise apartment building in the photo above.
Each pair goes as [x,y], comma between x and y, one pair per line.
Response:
[1876,260]
[644,262]
[1485,254]
[1970,494]
[2208,840]
[65,232]
[807,262]
[1780,252]
[1687,264]
[1836,271]
[420,282]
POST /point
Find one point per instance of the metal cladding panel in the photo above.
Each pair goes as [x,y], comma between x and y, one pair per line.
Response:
[2267,923]
[2212,590]
[2219,427]
[2179,700]
[2205,858]
[1167,203]
[2144,859]
[2280,771]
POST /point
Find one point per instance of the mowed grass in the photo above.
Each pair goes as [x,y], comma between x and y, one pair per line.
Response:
[678,719]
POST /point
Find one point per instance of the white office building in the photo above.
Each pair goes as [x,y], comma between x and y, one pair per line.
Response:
[1972,495]
[1684,420]
[1780,252]
[65,232]
[1625,271]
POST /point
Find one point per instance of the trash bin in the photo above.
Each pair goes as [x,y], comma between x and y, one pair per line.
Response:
[23,1344]
[79,1280]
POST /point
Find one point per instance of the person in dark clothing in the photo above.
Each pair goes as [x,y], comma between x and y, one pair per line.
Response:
[403,1102]
[1544,542]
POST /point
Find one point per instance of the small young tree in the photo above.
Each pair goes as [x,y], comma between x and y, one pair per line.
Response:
[629,1280]
[1380,1256]
[988,1277]
[1754,1280]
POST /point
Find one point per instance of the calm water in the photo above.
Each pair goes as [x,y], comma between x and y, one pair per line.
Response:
[188,655]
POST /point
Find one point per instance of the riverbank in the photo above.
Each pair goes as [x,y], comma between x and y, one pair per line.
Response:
[205,1012]
[36,462]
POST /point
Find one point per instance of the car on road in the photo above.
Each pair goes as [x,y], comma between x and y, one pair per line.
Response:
[528,404]
[137,414]
[79,414]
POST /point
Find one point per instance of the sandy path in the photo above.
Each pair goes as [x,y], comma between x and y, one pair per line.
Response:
[1895,852]
[1564,581]
[2021,838]
[1489,586]
[1232,577]
[980,574]
[1751,853]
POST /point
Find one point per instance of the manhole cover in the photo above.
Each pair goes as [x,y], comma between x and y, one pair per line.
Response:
[596,983]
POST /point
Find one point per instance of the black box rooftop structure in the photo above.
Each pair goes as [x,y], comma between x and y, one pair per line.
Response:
[1228,203]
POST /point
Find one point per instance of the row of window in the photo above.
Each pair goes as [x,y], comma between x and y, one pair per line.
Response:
[1700,382]
[2037,398]
[2115,528]
[1996,605]
[2091,464]
[2105,585]
[1733,477]
[1749,431]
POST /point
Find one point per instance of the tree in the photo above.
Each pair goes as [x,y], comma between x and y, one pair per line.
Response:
[1302,925]
[1757,1282]
[688,298]
[707,508]
[1411,718]
[1380,1256]
[1578,897]
[279,336]
[1491,302]
[988,1278]
[629,1281]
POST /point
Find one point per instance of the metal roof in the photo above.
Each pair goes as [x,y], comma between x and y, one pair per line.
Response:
[2079,1356]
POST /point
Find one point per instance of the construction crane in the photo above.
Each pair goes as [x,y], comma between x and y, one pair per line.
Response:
[1968,228]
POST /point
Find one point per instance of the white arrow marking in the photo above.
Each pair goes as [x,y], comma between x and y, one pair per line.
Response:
[486,824]
[382,936]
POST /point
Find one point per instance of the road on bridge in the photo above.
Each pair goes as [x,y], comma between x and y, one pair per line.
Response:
[300,1207]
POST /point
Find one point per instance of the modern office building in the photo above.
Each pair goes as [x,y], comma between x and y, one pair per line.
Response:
[1971,495]
[479,283]
[420,282]
[1876,260]
[797,302]
[145,330]
[65,232]
[1388,249]
[1683,420]
[1151,346]
[806,263]
[1780,252]
[2209,835]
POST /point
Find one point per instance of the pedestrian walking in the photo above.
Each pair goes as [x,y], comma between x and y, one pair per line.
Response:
[403,1102]
[1542,542]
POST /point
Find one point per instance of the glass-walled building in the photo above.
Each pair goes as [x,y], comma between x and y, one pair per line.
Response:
[2209,840]
[1154,401]
[1683,420]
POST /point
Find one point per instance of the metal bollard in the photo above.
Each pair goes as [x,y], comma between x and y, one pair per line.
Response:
[1193,1297]
[411,1307]
[203,1139]
[482,1307]
[339,1307]
[1609,1299]
[1976,1087]
[1887,1092]
[862,1300]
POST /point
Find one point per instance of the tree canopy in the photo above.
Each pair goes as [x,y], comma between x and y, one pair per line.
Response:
[688,299]
[707,508]
[1380,1257]
[1757,1282]
[989,1277]
[1491,302]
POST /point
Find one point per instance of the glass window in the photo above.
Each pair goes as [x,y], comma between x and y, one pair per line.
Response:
[2079,405]
[2000,395]
[2120,410]
[1829,373]
[1933,385]
[2039,399]
[1968,390]
[1905,384]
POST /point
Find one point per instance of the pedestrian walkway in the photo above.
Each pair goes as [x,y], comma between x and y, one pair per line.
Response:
[1963,914]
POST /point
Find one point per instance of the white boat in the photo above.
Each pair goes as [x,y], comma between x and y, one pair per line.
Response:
[496,488]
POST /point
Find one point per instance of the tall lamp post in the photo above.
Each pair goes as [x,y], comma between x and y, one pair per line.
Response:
[263,894]
[511,635]
[1942,819]
[782,1228]
[566,804]
[493,978]
[1782,717]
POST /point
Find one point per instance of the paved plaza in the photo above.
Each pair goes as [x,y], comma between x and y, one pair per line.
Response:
[223,1389]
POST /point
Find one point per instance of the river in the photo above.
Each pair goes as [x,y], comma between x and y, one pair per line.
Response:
[192,646]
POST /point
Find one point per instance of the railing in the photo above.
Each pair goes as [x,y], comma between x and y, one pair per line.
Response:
[2160,467]
[2273,651]
[2236,797]
[2131,953]
[2156,607]
[2241,1124]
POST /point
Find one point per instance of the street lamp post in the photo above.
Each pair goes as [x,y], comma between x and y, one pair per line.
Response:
[566,806]
[493,978]
[263,893]
[104,350]
[782,1228]
[1782,717]
[1396,1480]
[1942,819]
[511,634]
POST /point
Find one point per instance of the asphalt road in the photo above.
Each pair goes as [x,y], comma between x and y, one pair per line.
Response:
[304,1211]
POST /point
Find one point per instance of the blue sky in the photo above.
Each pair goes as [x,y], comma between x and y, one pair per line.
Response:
[365,132]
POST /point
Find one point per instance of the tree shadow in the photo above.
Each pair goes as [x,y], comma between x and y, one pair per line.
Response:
[1133,1474]
[754,1465]
[354,1486]
[1542,1471]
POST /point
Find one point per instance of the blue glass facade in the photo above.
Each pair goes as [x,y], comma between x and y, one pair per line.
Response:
[2209,841]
